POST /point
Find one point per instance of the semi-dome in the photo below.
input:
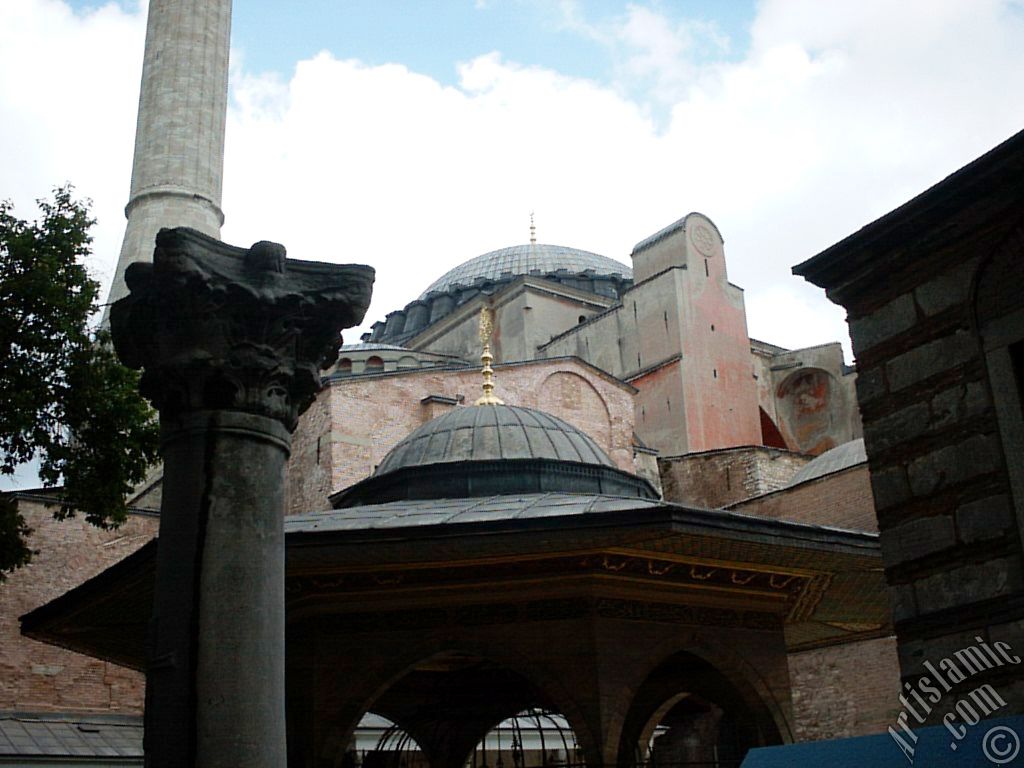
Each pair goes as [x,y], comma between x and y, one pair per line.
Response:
[526,259]
[488,450]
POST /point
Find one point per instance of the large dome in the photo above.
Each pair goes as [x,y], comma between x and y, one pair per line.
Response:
[493,450]
[526,259]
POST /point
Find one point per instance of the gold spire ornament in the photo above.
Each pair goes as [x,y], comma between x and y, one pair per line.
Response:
[486,329]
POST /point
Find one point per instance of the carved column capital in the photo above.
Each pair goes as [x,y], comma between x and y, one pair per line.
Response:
[216,327]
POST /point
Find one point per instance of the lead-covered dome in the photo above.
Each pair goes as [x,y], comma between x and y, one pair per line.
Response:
[532,258]
[494,432]
[493,450]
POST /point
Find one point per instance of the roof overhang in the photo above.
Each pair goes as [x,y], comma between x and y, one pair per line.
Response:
[941,223]
[821,585]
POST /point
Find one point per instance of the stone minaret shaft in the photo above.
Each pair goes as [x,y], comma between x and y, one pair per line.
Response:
[179,139]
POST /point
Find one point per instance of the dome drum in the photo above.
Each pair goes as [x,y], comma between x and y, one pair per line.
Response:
[440,306]
[487,274]
[510,477]
[417,315]
[488,450]
[395,323]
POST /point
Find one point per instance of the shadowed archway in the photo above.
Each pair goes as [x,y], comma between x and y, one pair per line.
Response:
[696,715]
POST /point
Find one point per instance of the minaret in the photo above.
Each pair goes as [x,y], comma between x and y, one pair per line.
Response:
[179,139]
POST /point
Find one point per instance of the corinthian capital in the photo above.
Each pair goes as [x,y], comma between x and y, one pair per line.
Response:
[215,327]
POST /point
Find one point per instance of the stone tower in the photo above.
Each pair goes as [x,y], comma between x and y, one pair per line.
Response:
[179,139]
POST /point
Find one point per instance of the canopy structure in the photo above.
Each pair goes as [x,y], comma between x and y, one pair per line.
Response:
[448,593]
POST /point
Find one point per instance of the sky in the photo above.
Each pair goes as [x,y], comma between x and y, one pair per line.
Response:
[412,136]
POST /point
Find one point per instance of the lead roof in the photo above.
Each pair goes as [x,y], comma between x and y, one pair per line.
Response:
[493,432]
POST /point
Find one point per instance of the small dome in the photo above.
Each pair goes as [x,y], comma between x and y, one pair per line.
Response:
[524,259]
[493,450]
[493,432]
[833,460]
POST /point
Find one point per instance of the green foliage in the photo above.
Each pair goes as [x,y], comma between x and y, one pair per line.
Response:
[64,398]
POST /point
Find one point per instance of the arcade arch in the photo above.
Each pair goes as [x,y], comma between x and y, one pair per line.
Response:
[690,711]
[455,706]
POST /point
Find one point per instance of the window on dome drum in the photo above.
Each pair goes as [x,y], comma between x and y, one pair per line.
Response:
[582,319]
[374,364]
[344,366]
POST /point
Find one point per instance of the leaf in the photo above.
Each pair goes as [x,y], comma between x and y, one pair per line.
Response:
[64,397]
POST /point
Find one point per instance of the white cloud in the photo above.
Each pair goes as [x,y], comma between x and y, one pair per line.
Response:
[837,113]
[68,93]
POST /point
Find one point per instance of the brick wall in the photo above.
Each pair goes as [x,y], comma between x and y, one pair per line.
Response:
[308,478]
[719,478]
[845,690]
[842,499]
[38,677]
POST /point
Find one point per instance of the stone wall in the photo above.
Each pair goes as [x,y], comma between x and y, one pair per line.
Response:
[680,337]
[932,292]
[950,541]
[845,690]
[842,499]
[527,312]
[719,478]
[34,676]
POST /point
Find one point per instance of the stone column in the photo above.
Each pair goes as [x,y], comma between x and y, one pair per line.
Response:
[231,342]
[178,165]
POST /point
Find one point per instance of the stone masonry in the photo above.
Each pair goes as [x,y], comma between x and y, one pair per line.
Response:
[843,691]
[718,478]
[936,316]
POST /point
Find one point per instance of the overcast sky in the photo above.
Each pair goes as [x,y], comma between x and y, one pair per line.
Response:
[413,136]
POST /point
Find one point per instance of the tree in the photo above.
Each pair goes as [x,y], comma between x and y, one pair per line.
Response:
[64,397]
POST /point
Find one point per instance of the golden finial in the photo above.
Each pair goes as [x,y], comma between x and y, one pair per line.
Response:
[486,329]
[533,231]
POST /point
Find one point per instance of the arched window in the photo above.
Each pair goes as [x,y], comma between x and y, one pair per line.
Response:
[344,366]
[374,364]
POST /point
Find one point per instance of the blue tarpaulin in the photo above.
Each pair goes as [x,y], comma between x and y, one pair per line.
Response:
[998,741]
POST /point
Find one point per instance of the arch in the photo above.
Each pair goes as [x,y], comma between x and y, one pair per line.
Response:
[996,312]
[572,397]
[738,674]
[809,406]
[473,669]
[344,366]
[689,691]
[374,364]
[408,361]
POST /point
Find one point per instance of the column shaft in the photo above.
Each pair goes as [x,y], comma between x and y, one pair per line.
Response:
[219,613]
